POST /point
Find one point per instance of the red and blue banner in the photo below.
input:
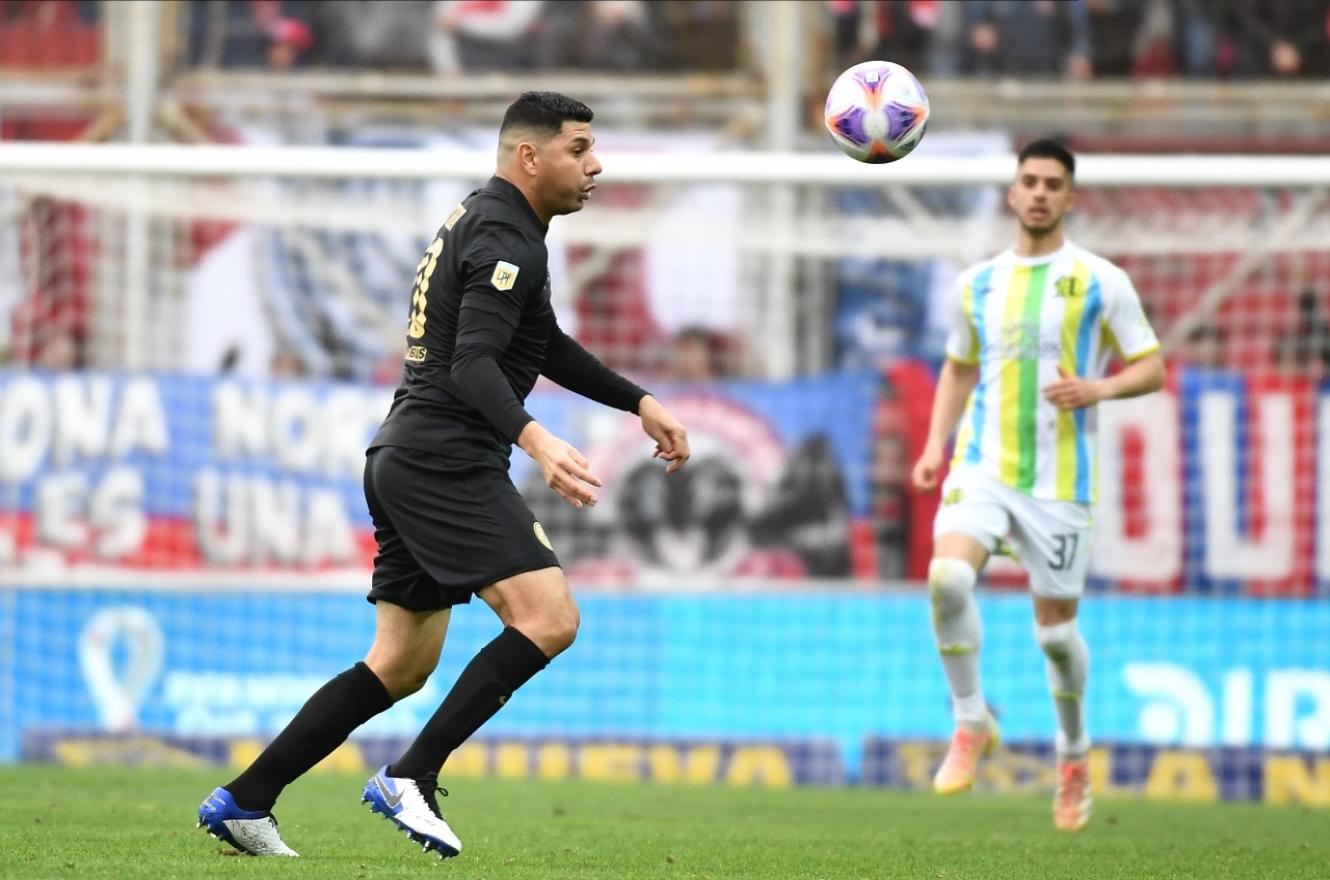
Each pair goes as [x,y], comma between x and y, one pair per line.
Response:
[1215,485]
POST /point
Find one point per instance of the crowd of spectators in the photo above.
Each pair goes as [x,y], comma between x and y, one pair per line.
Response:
[1088,38]
[1081,39]
[455,36]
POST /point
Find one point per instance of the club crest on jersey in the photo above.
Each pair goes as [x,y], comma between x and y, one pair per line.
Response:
[505,276]
[1067,286]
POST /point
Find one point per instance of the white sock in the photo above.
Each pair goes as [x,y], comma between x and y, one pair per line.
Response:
[1068,666]
[959,634]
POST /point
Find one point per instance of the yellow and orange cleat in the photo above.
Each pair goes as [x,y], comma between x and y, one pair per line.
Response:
[1072,802]
[968,745]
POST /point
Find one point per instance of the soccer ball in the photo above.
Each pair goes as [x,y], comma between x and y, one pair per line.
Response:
[876,112]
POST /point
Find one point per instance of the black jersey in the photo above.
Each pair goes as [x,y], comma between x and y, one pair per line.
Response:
[481,330]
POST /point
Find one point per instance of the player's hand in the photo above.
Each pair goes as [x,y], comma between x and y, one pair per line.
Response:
[926,469]
[566,470]
[1073,392]
[669,433]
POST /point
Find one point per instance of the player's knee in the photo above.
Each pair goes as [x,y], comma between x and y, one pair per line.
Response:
[1056,640]
[555,629]
[412,682]
[564,626]
[401,676]
[950,585]
[406,683]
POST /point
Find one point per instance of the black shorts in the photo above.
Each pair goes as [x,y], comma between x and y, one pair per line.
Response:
[444,530]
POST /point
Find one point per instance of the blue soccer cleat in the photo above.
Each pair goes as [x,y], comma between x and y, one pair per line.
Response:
[252,832]
[410,804]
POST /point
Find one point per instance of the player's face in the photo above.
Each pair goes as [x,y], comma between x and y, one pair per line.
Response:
[1041,195]
[568,168]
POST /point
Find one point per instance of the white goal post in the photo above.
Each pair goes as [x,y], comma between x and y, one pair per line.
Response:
[743,167]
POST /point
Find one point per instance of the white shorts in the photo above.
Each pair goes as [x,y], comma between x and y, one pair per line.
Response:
[1051,539]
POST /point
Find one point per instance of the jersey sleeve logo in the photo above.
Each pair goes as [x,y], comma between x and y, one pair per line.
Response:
[505,276]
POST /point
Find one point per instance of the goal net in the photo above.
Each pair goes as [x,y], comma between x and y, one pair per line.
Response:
[200,341]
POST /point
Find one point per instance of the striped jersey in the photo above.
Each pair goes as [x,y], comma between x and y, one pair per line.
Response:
[1017,319]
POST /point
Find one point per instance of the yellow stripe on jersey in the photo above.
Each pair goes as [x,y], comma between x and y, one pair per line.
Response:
[1073,306]
[1009,376]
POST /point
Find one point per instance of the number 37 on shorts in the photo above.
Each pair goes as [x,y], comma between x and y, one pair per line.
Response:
[1051,539]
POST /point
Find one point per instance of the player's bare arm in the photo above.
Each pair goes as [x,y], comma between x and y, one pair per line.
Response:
[1141,376]
[953,389]
[669,433]
[566,470]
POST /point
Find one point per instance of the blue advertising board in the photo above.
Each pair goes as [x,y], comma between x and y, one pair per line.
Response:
[847,668]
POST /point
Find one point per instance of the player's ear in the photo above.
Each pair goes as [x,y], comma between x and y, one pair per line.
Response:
[527,157]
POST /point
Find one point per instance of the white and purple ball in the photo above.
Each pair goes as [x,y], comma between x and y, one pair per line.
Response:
[876,112]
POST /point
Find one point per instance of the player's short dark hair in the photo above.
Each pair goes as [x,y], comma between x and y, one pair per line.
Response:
[1047,148]
[544,113]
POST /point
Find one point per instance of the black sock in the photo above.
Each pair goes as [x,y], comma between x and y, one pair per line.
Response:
[500,668]
[322,724]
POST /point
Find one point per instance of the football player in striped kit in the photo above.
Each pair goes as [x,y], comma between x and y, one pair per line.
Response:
[1027,358]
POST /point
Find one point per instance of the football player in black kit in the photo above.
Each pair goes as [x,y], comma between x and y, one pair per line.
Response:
[448,521]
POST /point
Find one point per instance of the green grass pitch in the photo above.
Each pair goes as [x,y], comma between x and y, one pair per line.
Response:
[132,823]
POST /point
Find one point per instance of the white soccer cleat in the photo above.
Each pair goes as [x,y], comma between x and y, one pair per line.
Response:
[411,805]
[252,832]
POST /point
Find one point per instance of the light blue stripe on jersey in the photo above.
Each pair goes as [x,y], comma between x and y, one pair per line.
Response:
[979,288]
[1094,304]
